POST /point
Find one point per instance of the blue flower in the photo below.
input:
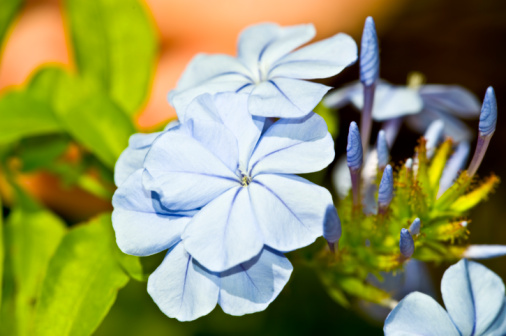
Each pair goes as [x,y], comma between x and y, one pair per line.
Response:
[217,192]
[419,106]
[268,71]
[474,300]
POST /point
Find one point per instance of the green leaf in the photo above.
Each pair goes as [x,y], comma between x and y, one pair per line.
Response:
[8,11]
[31,240]
[82,282]
[40,152]
[100,126]
[2,253]
[115,44]
[23,115]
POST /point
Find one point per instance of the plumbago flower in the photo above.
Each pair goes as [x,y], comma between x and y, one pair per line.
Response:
[474,300]
[217,191]
[420,105]
[268,71]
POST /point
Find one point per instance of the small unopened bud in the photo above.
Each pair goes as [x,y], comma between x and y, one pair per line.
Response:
[369,54]
[354,154]
[488,115]
[414,229]
[332,227]
[382,148]
[386,188]
[453,166]
[433,136]
[406,244]
[488,120]
[409,163]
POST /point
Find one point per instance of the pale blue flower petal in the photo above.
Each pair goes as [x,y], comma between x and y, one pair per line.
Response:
[389,101]
[369,54]
[185,173]
[143,227]
[484,251]
[232,111]
[419,314]
[498,327]
[321,59]
[204,67]
[452,99]
[225,232]
[340,97]
[290,210]
[226,83]
[132,158]
[473,296]
[293,146]
[181,288]
[253,285]
[453,127]
[285,98]
[263,44]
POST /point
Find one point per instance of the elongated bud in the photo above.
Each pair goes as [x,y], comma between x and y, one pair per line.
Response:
[332,227]
[354,154]
[414,229]
[382,148]
[488,120]
[453,166]
[409,163]
[369,54]
[406,244]
[386,188]
[488,115]
[433,136]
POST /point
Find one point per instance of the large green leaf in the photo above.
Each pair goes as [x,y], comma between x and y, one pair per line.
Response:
[87,114]
[101,126]
[31,240]
[23,115]
[8,11]
[82,282]
[114,43]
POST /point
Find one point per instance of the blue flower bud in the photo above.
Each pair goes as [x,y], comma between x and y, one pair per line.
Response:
[382,148]
[488,115]
[331,225]
[433,135]
[386,187]
[354,148]
[415,227]
[409,163]
[369,54]
[406,245]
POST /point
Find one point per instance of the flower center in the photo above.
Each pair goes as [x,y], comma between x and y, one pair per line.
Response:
[245,180]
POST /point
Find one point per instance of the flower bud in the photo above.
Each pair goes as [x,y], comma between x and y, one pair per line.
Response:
[414,229]
[369,54]
[354,148]
[488,115]
[382,148]
[386,187]
[406,244]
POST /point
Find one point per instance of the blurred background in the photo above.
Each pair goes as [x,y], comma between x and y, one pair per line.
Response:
[449,41]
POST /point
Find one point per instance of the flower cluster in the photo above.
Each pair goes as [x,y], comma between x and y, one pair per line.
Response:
[217,188]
